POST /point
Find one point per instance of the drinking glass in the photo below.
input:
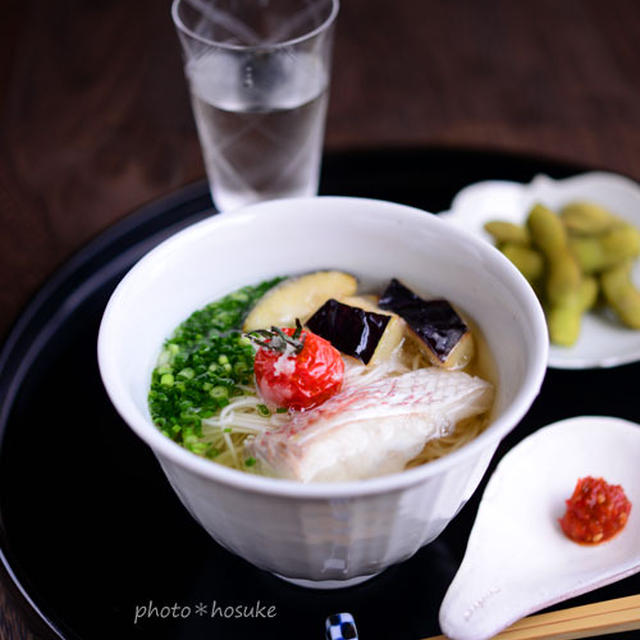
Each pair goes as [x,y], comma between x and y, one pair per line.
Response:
[258,72]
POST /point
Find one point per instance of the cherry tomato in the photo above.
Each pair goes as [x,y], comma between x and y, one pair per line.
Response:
[299,380]
[595,512]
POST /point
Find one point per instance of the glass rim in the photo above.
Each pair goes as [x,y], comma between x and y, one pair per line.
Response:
[181,26]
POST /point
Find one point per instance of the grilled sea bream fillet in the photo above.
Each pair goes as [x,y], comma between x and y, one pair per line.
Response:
[371,430]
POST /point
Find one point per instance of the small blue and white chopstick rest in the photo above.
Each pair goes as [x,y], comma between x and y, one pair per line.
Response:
[341,626]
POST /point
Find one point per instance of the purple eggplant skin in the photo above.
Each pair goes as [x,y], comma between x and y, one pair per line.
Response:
[435,322]
[353,331]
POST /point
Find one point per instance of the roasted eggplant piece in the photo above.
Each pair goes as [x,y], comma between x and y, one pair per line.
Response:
[298,297]
[367,335]
[438,329]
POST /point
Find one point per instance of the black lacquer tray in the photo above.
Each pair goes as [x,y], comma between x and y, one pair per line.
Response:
[90,530]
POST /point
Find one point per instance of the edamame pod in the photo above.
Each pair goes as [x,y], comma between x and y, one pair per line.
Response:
[564,320]
[588,293]
[550,236]
[547,231]
[507,232]
[622,240]
[621,294]
[589,254]
[528,261]
[564,324]
[596,254]
[587,218]
[563,282]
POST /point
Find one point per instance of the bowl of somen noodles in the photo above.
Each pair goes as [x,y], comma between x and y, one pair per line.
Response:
[323,380]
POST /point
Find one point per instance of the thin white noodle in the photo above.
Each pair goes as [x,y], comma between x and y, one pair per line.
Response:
[237,403]
[245,422]
[249,421]
[241,416]
[229,443]
[216,430]
[279,419]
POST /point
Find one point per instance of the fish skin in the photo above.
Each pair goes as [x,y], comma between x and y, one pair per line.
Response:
[372,430]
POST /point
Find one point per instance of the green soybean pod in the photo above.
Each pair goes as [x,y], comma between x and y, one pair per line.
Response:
[621,241]
[564,324]
[587,218]
[563,281]
[529,262]
[507,232]
[588,293]
[564,320]
[547,231]
[550,236]
[589,253]
[598,253]
[621,294]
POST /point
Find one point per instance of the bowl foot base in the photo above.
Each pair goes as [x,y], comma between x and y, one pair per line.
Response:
[327,584]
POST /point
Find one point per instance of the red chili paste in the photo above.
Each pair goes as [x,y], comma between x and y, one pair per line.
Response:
[595,512]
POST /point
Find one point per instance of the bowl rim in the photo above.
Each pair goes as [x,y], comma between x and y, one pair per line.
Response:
[166,449]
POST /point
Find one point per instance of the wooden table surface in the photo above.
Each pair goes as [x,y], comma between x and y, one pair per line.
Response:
[95,117]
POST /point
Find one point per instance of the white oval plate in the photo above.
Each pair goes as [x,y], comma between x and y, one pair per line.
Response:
[518,560]
[603,342]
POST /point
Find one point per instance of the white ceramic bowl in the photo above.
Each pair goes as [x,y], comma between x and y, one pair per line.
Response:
[322,534]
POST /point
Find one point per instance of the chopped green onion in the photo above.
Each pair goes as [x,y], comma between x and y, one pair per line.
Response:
[201,366]
[263,410]
[166,380]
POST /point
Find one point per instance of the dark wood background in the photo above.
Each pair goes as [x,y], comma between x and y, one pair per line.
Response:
[95,117]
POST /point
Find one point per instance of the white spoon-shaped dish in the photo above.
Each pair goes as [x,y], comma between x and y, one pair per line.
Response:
[518,560]
[603,341]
